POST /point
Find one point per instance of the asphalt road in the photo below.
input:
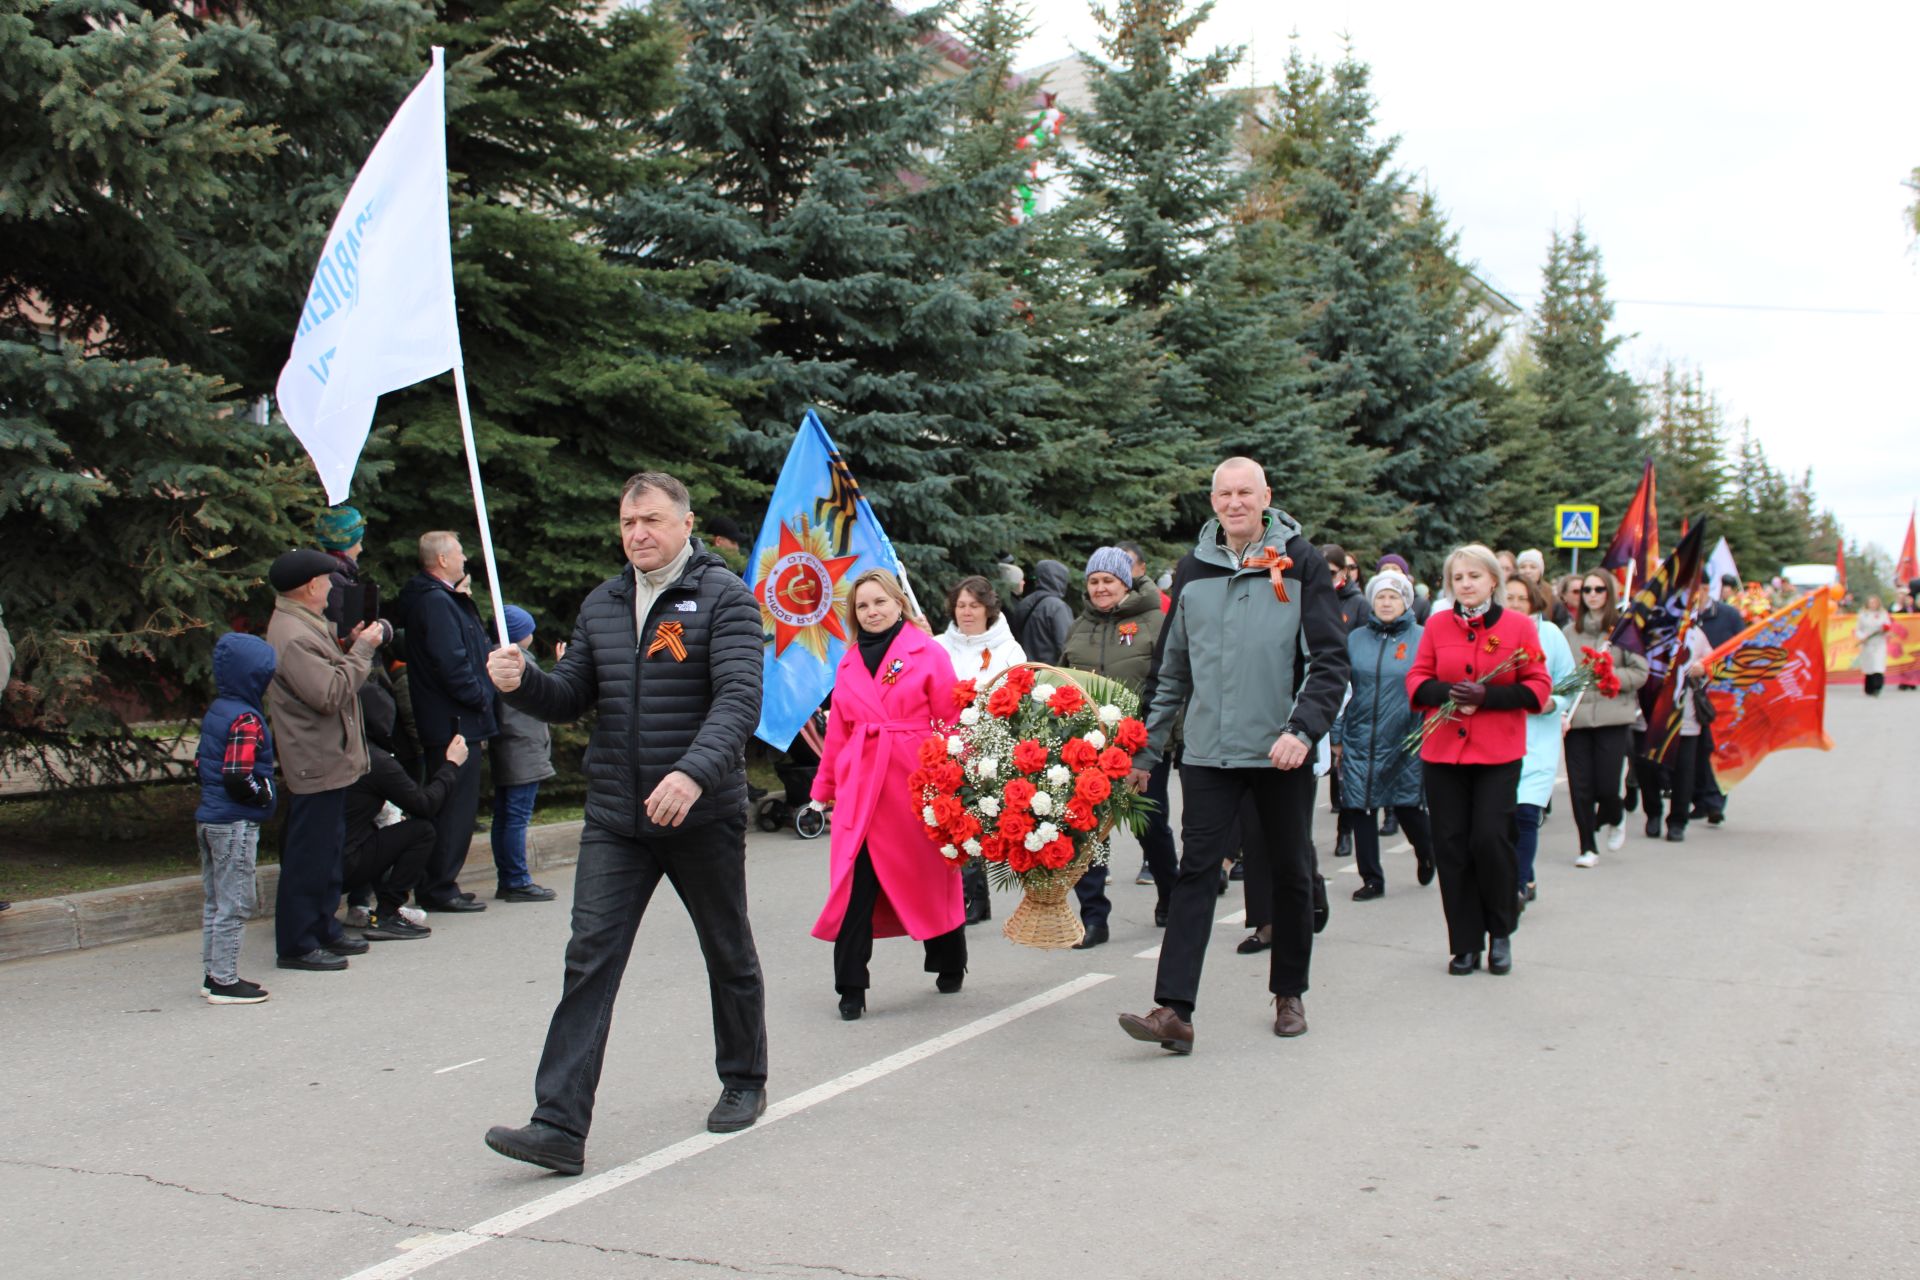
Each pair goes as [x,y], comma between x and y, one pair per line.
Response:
[1706,1063]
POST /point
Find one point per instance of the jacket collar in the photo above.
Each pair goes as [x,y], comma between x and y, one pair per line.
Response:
[1211,548]
[300,613]
[699,560]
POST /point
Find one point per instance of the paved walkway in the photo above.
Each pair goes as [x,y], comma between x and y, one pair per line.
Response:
[1706,1063]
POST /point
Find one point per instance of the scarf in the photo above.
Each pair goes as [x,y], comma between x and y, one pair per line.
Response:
[874,645]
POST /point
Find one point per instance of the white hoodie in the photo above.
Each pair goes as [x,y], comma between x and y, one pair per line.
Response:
[982,657]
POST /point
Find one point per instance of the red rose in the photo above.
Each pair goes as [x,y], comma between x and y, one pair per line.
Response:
[1029,757]
[1078,754]
[1067,699]
[1019,794]
[1130,736]
[1004,702]
[964,693]
[1021,859]
[933,751]
[1092,788]
[946,778]
[993,848]
[1016,826]
[1020,678]
[1080,816]
[963,829]
[919,780]
[947,809]
[1056,853]
[1116,763]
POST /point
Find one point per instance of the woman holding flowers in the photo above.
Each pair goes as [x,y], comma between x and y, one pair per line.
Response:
[1114,637]
[1599,722]
[1377,769]
[982,646]
[1542,763]
[893,684]
[1477,677]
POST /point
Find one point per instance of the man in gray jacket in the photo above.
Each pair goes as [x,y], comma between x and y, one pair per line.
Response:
[1254,656]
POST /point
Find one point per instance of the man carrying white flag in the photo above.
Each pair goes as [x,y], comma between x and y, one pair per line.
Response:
[379,315]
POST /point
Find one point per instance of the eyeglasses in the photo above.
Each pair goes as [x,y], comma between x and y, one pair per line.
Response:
[1593,591]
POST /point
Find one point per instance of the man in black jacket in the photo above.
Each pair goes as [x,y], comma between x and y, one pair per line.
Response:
[1048,616]
[452,697]
[389,861]
[669,656]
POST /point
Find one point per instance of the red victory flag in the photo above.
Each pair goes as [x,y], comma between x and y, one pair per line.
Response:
[1635,549]
[1909,567]
[1840,567]
[1768,686]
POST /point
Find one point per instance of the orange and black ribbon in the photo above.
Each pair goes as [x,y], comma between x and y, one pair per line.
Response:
[1275,564]
[671,636]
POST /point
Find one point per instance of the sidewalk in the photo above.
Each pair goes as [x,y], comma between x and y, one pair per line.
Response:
[42,926]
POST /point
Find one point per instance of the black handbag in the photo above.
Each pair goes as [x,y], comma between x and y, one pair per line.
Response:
[1703,710]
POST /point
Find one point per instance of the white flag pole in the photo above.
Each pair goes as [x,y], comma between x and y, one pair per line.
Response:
[480,504]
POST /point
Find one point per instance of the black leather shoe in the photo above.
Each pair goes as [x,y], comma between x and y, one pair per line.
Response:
[948,984]
[1715,819]
[1676,835]
[540,1143]
[1368,892]
[317,960]
[1095,936]
[852,1005]
[454,905]
[1253,944]
[1343,846]
[736,1110]
[1653,826]
[525,893]
[1425,873]
[1159,917]
[1464,963]
[1500,955]
[345,946]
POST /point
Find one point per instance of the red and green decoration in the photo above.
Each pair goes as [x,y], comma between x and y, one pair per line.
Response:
[1044,132]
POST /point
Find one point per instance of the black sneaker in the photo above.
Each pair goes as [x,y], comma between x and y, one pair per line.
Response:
[736,1110]
[317,960]
[540,1143]
[1368,892]
[524,893]
[394,929]
[239,991]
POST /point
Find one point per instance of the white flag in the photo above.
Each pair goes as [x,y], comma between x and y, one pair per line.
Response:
[1720,564]
[379,315]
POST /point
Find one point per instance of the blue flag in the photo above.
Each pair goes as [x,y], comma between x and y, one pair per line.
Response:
[820,534]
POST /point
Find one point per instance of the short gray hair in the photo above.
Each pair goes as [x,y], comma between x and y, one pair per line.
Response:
[1480,555]
[1241,462]
[661,483]
[435,544]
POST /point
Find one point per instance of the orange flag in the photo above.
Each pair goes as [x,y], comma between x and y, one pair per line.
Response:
[1769,688]
[1909,567]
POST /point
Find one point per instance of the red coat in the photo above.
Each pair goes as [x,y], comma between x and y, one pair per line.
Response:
[874,732]
[1455,649]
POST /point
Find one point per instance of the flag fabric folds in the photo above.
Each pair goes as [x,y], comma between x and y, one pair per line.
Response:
[1654,620]
[1908,567]
[820,534]
[379,314]
[1768,686]
[1720,565]
[1635,548]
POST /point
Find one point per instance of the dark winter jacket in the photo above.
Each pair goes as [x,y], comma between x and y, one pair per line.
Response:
[1244,665]
[235,761]
[1376,769]
[522,751]
[386,781]
[1353,606]
[1048,617]
[659,711]
[351,599]
[1118,643]
[1721,622]
[447,649]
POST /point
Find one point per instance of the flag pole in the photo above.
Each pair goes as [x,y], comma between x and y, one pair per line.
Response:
[480,504]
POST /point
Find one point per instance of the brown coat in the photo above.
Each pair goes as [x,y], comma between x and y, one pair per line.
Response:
[314,702]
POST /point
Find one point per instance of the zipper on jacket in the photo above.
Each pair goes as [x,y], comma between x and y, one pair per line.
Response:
[633,720]
[1379,656]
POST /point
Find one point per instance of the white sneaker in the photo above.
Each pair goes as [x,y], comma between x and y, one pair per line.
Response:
[1587,859]
[413,915]
[1616,836]
[358,918]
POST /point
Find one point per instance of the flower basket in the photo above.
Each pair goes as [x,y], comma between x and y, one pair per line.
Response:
[1030,778]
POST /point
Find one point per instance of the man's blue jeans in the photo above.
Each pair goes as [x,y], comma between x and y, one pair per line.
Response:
[512,815]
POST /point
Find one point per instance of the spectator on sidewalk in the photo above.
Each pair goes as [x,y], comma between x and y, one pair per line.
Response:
[315,707]
[1043,634]
[522,760]
[351,599]
[447,673]
[386,862]
[235,765]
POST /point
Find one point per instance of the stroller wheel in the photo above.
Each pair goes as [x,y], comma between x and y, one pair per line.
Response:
[770,814]
[809,823]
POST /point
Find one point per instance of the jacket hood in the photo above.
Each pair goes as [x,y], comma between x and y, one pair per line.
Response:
[243,666]
[1402,623]
[992,638]
[1051,575]
[1144,597]
[1211,548]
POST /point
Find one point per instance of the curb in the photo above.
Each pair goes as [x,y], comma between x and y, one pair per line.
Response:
[45,926]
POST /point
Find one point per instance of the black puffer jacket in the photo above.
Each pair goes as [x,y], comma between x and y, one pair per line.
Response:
[659,712]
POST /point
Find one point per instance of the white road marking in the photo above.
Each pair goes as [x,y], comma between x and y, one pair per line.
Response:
[1151,953]
[440,1248]
[1236,918]
[456,1066]
[1406,847]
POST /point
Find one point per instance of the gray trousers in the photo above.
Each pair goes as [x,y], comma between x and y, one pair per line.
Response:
[228,851]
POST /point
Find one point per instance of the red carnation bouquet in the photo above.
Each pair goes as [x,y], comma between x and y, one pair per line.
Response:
[1030,777]
[1449,709]
[1594,672]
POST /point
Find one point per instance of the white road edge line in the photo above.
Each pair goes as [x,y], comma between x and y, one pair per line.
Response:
[1237,917]
[456,1066]
[1151,953]
[505,1224]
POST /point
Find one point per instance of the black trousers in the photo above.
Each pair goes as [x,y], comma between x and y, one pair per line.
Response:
[388,861]
[1156,842]
[1366,840]
[1209,828]
[310,865]
[1875,682]
[1680,771]
[854,947]
[1594,757]
[615,879]
[1708,798]
[453,825]
[1471,806]
[1649,775]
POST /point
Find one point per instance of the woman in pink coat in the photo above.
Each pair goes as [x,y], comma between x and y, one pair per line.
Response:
[888,879]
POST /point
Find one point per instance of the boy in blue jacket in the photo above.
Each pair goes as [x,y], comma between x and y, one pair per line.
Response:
[236,796]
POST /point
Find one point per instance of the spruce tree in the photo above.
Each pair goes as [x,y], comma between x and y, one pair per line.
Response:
[1686,435]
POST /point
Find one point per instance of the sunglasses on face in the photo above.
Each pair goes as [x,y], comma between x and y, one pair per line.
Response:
[1593,591]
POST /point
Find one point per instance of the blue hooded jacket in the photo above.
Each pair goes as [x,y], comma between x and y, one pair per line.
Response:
[242,668]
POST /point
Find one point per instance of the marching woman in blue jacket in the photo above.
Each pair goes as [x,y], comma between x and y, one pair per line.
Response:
[1377,771]
[1541,764]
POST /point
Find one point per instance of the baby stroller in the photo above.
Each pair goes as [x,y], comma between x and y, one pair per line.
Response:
[796,770]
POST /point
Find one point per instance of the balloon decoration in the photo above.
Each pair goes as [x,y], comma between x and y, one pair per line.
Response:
[1043,132]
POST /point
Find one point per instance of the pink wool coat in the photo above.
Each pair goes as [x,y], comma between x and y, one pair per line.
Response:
[874,732]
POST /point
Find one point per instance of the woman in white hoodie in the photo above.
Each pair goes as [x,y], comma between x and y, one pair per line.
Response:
[981,646]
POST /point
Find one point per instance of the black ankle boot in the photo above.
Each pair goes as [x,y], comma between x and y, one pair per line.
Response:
[1464,963]
[949,983]
[1500,955]
[852,1005]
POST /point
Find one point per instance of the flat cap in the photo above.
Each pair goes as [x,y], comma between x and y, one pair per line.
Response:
[296,569]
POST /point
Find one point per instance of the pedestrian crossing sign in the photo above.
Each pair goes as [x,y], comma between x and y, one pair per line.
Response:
[1576,525]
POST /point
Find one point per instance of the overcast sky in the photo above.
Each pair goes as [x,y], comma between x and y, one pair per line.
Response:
[1718,153]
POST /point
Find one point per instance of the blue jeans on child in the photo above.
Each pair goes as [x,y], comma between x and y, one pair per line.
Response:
[228,852]
[512,815]
[1526,821]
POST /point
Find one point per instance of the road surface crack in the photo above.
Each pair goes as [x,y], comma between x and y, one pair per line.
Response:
[738,1268]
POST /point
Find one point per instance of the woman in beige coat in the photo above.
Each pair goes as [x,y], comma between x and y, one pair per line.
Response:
[1598,728]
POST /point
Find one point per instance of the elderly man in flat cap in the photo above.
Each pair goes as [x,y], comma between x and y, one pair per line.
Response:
[315,707]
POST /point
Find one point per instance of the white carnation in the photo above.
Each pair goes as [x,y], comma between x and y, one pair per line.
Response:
[955,746]
[1110,715]
[950,853]
[1042,803]
[1048,833]
[986,767]
[972,847]
[1059,775]
[1096,739]
[1033,842]
[1042,693]
[970,716]
[926,816]
[989,805]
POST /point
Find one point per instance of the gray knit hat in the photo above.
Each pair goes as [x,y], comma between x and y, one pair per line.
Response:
[1111,560]
[1389,580]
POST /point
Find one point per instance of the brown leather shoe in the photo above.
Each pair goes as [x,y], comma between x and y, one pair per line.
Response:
[1289,1016]
[1163,1027]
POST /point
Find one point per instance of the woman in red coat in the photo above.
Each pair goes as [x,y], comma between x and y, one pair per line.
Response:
[888,880]
[1471,760]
